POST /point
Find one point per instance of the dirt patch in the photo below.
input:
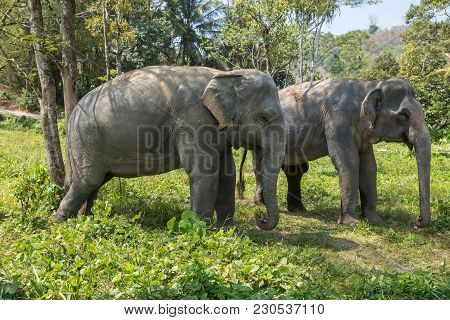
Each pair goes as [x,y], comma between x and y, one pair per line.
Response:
[12,108]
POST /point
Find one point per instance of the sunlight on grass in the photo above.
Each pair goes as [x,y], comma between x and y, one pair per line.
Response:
[126,250]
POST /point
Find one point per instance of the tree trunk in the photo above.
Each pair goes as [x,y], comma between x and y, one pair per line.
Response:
[300,54]
[118,46]
[53,154]
[69,76]
[105,37]
[315,51]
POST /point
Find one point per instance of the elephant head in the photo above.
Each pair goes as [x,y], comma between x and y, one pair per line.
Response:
[245,104]
[393,114]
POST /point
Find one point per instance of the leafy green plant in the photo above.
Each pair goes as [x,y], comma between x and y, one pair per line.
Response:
[6,96]
[35,192]
[19,123]
[28,100]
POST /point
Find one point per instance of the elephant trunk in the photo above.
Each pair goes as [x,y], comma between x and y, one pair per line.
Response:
[421,140]
[271,162]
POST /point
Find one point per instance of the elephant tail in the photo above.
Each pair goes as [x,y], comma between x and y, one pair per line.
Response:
[240,186]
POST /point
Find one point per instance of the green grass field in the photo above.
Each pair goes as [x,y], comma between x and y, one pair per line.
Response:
[132,248]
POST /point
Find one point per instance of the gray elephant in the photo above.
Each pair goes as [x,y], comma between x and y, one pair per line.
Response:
[157,119]
[343,119]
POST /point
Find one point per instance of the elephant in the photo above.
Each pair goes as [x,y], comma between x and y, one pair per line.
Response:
[157,119]
[343,119]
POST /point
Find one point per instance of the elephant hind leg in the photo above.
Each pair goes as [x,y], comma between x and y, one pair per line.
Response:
[81,190]
[94,195]
[294,174]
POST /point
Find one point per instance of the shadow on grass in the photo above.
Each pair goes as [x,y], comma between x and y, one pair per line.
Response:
[327,215]
[316,238]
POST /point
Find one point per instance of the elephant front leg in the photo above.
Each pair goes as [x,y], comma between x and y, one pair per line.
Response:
[225,201]
[203,191]
[201,162]
[346,160]
[368,186]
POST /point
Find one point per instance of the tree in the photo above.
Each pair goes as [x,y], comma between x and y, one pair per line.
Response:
[425,60]
[116,32]
[153,35]
[69,66]
[384,67]
[257,34]
[53,154]
[17,68]
[344,56]
[105,37]
[193,21]
[311,16]
[373,24]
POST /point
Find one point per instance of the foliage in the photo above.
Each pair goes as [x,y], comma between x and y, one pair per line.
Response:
[6,96]
[256,34]
[142,242]
[384,67]
[28,100]
[35,192]
[153,40]
[425,63]
[347,57]
[193,21]
[19,123]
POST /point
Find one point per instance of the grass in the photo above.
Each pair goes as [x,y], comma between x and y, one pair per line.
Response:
[133,248]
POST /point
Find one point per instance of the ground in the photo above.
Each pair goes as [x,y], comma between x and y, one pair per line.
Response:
[131,249]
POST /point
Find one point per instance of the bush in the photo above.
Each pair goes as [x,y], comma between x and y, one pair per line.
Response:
[384,67]
[28,100]
[36,193]
[6,96]
[19,123]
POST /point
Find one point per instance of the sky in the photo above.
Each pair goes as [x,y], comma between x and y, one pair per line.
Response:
[387,14]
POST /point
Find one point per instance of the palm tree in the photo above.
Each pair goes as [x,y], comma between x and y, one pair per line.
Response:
[193,21]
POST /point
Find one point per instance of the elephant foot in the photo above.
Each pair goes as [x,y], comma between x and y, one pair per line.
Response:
[62,216]
[297,208]
[373,218]
[347,219]
[226,225]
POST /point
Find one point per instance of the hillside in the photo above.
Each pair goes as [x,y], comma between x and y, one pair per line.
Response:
[385,40]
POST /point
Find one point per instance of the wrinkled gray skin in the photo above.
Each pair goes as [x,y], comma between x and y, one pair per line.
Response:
[342,119]
[108,137]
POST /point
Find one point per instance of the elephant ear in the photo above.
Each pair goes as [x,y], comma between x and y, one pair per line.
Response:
[370,106]
[220,97]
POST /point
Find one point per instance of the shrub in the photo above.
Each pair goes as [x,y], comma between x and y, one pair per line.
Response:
[19,123]
[35,192]
[6,96]
[28,100]
[384,67]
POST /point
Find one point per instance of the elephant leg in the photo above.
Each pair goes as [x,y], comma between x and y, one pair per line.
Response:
[93,196]
[203,195]
[294,174]
[345,158]
[256,161]
[201,163]
[79,192]
[368,186]
[225,201]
